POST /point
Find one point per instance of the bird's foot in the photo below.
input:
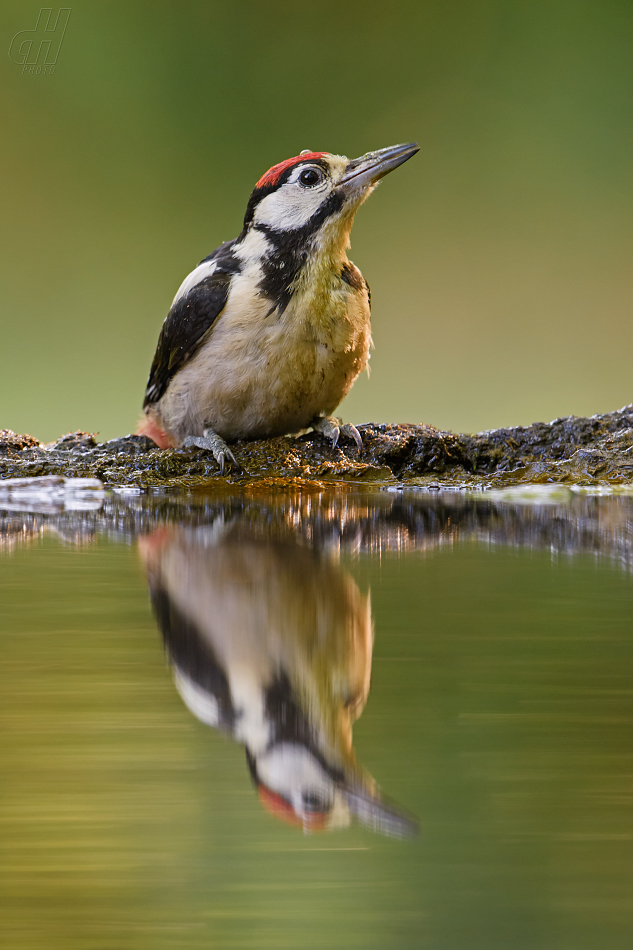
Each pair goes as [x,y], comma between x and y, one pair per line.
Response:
[330,428]
[215,444]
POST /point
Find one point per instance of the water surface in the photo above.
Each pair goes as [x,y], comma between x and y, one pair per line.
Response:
[180,681]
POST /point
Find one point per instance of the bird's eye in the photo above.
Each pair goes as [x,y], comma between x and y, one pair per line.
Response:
[310,177]
[312,801]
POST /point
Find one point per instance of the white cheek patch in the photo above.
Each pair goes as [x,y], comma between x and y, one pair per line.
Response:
[290,769]
[290,207]
[201,271]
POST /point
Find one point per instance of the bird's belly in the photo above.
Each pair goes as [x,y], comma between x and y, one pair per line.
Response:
[279,390]
[246,384]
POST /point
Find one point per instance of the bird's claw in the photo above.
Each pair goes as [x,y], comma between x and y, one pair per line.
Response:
[213,443]
[221,458]
[328,428]
[331,429]
[352,433]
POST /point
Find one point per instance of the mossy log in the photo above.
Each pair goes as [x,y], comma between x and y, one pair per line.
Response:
[572,450]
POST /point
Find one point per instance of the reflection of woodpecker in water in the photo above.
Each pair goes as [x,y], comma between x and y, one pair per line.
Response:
[271,642]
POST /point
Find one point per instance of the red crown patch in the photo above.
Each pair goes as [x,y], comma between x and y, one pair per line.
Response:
[272,175]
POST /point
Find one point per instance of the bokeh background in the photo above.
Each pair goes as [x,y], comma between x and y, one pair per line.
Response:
[499,258]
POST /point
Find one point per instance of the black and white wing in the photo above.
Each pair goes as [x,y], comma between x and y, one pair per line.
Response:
[199,677]
[199,302]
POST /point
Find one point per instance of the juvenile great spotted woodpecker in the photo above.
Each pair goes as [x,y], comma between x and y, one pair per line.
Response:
[271,643]
[268,333]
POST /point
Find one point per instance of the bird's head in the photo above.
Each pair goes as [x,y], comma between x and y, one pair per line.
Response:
[317,193]
[300,788]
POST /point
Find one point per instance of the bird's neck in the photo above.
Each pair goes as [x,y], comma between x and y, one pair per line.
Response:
[320,278]
[294,262]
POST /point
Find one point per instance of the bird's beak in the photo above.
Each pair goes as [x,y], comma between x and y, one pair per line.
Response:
[370,168]
[381,816]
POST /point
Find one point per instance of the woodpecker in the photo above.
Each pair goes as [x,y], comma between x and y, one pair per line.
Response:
[268,333]
[271,643]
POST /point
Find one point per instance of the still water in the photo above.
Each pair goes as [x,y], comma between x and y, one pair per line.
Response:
[317,719]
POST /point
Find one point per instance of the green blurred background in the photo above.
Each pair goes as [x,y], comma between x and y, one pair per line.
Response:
[499,258]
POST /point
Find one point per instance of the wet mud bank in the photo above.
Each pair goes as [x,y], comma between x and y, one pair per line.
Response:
[574,450]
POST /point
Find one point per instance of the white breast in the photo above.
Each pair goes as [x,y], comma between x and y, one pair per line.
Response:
[261,374]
